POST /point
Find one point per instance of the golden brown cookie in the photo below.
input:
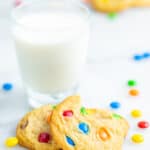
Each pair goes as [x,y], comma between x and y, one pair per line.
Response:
[33,130]
[76,128]
[140,3]
[117,5]
[111,5]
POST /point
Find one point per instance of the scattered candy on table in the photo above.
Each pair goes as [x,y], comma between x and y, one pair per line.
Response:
[136,113]
[17,2]
[44,137]
[132,83]
[137,138]
[143,124]
[134,92]
[7,86]
[139,57]
[115,105]
[11,142]
[112,15]
[68,113]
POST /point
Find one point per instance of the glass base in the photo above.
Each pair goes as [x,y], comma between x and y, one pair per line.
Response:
[37,99]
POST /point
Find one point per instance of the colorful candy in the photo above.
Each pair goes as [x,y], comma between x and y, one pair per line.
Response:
[143,124]
[146,55]
[44,137]
[17,3]
[70,141]
[11,142]
[132,83]
[68,113]
[137,138]
[7,86]
[84,127]
[83,111]
[137,57]
[115,105]
[116,116]
[54,107]
[136,113]
[134,92]
[104,134]
[112,15]
[48,118]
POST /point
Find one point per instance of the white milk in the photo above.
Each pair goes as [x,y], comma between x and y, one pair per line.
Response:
[51,49]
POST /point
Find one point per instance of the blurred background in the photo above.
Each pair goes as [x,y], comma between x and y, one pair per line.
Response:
[120,37]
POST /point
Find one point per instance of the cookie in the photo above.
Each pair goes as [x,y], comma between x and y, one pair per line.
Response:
[76,128]
[140,3]
[117,5]
[33,130]
[111,5]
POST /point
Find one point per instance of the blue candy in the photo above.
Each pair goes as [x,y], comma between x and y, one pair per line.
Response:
[84,127]
[138,57]
[115,105]
[70,141]
[146,55]
[7,86]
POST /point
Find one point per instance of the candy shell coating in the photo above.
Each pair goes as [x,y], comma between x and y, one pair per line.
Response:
[11,142]
[70,141]
[143,124]
[136,113]
[137,57]
[7,86]
[132,83]
[83,111]
[84,127]
[115,105]
[68,113]
[44,137]
[134,92]
[137,138]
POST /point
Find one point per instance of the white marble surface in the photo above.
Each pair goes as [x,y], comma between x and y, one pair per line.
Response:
[109,67]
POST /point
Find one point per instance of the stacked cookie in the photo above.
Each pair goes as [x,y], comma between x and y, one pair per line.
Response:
[70,126]
[117,5]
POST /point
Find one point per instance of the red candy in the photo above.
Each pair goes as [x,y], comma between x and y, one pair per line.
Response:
[68,113]
[44,137]
[143,124]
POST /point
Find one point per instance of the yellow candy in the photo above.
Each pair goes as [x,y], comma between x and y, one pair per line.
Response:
[136,113]
[11,142]
[137,138]
[90,111]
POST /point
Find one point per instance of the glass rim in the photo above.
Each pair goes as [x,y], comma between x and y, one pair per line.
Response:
[24,4]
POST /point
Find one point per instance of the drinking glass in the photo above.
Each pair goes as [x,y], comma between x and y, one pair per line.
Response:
[51,41]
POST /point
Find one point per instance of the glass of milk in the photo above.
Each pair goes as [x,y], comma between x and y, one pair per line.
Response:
[51,40]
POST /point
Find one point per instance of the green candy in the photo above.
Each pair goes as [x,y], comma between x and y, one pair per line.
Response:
[116,116]
[54,107]
[112,15]
[132,83]
[83,111]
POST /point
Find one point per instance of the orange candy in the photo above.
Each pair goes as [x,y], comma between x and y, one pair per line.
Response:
[48,118]
[134,92]
[104,134]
